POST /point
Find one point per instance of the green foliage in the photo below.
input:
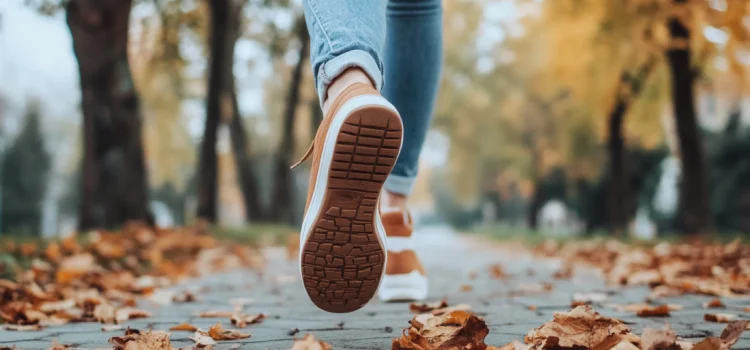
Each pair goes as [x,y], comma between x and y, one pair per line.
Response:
[25,166]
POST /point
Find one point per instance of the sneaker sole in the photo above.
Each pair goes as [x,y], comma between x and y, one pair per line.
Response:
[343,253]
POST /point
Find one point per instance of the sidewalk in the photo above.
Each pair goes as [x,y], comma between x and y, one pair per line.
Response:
[455,264]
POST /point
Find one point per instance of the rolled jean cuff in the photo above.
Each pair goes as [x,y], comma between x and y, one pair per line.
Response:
[402,185]
[328,71]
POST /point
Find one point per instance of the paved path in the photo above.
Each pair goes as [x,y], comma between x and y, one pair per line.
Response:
[450,261]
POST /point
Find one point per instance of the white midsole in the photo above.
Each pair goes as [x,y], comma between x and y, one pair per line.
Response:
[411,286]
[399,244]
[321,184]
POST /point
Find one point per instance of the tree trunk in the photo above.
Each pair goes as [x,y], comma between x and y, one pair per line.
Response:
[245,172]
[114,183]
[221,48]
[621,197]
[695,210]
[282,195]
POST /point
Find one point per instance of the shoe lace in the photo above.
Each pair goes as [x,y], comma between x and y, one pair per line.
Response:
[306,156]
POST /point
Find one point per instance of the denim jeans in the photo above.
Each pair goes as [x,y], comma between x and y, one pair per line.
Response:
[399,45]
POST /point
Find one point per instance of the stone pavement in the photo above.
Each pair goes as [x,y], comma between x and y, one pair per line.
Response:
[451,260]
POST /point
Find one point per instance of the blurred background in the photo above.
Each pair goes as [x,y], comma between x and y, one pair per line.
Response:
[559,117]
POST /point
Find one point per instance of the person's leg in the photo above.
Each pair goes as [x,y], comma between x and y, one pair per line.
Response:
[342,240]
[346,43]
[413,60]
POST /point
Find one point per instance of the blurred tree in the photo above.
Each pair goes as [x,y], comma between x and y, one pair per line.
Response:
[694,197]
[224,16]
[114,182]
[25,167]
[281,204]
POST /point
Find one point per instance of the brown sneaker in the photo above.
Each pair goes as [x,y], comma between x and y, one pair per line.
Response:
[405,278]
[342,239]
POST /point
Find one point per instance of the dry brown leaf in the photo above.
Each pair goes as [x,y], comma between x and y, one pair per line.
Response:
[56,306]
[454,330]
[497,272]
[710,343]
[445,310]
[184,327]
[653,311]
[129,313]
[733,331]
[23,328]
[625,345]
[514,345]
[466,288]
[310,343]
[532,307]
[581,326]
[419,308]
[715,303]
[241,320]
[215,314]
[217,332]
[137,340]
[658,339]
[719,318]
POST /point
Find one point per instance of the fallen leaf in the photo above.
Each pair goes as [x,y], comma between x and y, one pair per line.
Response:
[105,313]
[184,297]
[129,313]
[653,311]
[532,307]
[454,330]
[746,309]
[202,339]
[466,288]
[137,340]
[56,306]
[514,345]
[217,332]
[658,339]
[581,326]
[419,308]
[445,310]
[733,331]
[184,327]
[715,303]
[310,343]
[23,328]
[215,314]
[719,318]
[710,343]
[241,320]
[497,272]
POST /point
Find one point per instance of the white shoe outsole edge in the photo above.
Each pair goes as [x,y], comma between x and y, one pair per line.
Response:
[412,286]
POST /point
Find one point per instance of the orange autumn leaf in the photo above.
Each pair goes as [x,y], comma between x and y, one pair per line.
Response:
[184,327]
[653,311]
[217,332]
[419,308]
[309,342]
[454,330]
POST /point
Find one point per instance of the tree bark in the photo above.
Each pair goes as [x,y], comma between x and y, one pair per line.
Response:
[621,199]
[282,195]
[695,210]
[245,169]
[114,183]
[221,49]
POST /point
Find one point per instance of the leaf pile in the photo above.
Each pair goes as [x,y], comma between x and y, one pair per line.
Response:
[583,328]
[99,277]
[670,269]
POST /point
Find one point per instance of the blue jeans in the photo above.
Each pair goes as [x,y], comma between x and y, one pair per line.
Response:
[399,44]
